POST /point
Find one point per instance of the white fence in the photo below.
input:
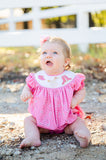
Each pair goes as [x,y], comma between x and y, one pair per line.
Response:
[82,35]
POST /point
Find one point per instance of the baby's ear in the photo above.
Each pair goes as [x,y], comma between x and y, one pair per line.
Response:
[67,61]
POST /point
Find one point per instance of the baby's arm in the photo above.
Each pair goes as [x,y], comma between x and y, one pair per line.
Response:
[78,97]
[26,93]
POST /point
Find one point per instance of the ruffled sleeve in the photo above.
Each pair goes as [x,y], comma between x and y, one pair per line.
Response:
[30,81]
[79,81]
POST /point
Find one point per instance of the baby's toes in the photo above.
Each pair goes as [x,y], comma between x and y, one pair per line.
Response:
[24,143]
[82,139]
[28,142]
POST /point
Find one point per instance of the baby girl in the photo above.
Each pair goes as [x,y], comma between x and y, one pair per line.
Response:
[54,95]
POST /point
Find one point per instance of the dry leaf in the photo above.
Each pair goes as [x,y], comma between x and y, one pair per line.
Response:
[88,117]
[102,98]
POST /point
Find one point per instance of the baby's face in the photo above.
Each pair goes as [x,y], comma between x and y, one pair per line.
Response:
[52,58]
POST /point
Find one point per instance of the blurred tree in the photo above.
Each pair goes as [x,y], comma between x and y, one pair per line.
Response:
[60,22]
[98,18]
[91,22]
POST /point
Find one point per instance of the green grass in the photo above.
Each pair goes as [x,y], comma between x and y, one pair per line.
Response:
[96,55]
[18,58]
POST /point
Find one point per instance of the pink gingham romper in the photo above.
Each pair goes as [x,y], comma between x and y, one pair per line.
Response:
[51,101]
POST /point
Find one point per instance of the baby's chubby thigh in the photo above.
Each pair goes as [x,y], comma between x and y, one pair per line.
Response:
[80,131]
[32,119]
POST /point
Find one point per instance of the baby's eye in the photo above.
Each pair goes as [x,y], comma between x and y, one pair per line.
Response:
[44,53]
[55,53]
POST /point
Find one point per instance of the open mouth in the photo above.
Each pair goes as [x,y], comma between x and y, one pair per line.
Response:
[49,63]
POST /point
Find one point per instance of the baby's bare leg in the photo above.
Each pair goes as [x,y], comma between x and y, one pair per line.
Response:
[80,131]
[32,134]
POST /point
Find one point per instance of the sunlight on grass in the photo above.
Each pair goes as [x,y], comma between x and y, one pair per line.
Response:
[96,55]
[19,58]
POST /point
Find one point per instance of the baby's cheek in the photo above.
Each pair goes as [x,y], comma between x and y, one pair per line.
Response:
[42,64]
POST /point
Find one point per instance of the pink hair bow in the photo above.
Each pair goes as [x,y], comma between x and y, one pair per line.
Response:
[44,39]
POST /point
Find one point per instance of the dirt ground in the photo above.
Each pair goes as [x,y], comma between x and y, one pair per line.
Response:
[54,146]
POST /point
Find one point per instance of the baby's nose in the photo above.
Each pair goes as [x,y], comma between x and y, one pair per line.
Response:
[48,56]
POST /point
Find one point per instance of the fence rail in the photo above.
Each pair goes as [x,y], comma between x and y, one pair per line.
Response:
[45,3]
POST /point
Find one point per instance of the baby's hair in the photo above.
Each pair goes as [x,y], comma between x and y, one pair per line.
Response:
[64,44]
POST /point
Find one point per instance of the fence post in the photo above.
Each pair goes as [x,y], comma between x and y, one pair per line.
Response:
[82,25]
[36,20]
[11,23]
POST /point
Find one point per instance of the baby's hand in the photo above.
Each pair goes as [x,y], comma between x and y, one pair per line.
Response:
[78,97]
[26,94]
[73,103]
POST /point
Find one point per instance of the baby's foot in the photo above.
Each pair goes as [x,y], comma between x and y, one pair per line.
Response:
[82,139]
[28,142]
